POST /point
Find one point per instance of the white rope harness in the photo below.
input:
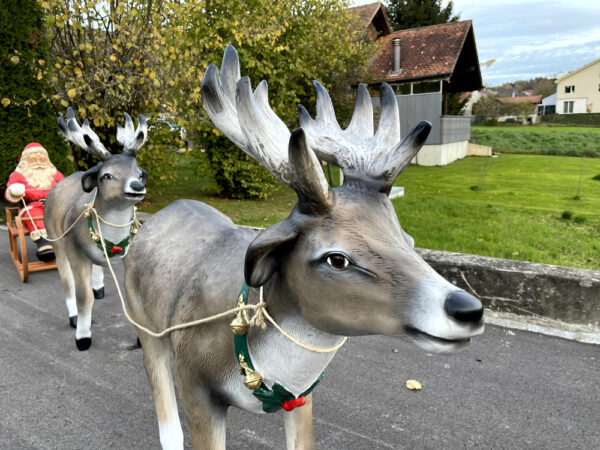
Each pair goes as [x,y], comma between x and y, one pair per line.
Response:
[260,310]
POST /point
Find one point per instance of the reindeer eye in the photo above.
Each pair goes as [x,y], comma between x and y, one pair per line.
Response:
[338,261]
[107,176]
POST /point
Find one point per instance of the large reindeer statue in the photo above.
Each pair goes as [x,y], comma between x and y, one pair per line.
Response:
[111,188]
[339,265]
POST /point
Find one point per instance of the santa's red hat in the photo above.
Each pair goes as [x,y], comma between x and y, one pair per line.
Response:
[33,147]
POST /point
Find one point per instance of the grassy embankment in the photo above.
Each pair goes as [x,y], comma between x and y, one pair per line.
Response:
[541,140]
[509,207]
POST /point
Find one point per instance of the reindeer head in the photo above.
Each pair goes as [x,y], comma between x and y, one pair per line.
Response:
[117,177]
[342,250]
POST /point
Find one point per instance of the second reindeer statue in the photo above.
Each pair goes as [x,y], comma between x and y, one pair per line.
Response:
[339,265]
[106,193]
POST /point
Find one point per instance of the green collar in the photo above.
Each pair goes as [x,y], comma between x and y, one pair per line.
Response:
[272,399]
[112,249]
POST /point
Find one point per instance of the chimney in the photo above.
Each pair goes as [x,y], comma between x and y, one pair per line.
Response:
[396,43]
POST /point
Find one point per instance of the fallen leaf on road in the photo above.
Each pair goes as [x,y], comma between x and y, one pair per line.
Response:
[414,385]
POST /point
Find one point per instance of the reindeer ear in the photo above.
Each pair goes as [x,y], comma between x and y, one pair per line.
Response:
[89,180]
[309,180]
[264,254]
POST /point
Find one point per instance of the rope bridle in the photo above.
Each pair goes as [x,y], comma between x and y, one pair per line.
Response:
[259,309]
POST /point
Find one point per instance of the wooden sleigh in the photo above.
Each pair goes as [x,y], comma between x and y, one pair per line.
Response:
[18,246]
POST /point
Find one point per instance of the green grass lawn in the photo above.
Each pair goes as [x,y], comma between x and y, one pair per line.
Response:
[244,212]
[508,207]
[558,140]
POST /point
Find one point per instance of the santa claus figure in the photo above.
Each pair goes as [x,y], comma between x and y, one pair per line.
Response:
[29,185]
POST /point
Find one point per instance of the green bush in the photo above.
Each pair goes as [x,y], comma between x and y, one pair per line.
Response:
[236,174]
[158,156]
[24,114]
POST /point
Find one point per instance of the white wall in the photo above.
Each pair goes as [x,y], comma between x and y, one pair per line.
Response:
[579,106]
[441,154]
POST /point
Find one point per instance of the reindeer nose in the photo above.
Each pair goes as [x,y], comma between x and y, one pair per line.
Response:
[137,186]
[464,307]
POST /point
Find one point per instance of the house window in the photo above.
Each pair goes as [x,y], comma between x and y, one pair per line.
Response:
[568,107]
[402,89]
[569,89]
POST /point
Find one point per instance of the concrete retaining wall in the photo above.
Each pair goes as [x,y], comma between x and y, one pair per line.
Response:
[558,296]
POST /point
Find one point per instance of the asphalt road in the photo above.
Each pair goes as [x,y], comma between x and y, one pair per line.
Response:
[508,390]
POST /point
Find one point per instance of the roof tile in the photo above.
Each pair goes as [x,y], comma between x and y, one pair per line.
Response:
[426,52]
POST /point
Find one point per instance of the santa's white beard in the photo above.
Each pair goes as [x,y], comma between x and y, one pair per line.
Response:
[39,178]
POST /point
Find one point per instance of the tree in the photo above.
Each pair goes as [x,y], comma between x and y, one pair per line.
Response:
[544,87]
[24,114]
[103,62]
[419,13]
[488,107]
[288,43]
[149,56]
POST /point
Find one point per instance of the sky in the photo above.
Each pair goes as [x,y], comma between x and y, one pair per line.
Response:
[531,38]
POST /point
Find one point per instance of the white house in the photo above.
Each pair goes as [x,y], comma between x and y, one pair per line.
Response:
[578,92]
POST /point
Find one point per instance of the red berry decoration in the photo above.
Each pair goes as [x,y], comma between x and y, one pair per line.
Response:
[116,249]
[289,405]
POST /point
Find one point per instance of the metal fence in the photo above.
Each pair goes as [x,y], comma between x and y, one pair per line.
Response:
[417,107]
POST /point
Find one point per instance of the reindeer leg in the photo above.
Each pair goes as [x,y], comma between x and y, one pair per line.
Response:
[98,281]
[85,302]
[157,361]
[66,276]
[206,417]
[298,423]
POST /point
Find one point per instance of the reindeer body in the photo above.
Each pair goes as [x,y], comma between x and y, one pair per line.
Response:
[113,186]
[339,265]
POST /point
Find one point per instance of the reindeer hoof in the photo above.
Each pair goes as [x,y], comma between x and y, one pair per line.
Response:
[83,343]
[135,346]
[98,293]
[73,321]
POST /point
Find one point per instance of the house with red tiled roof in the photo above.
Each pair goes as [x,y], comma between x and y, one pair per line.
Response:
[527,113]
[424,65]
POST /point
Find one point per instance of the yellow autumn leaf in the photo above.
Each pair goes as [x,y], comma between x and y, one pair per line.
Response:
[152,75]
[5,102]
[78,72]
[72,93]
[64,103]
[41,62]
[112,57]
[14,59]
[39,75]
[413,385]
[88,47]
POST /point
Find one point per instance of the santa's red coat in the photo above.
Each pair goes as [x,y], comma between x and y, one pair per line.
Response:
[32,196]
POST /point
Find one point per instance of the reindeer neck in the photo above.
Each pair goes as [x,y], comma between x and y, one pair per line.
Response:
[114,213]
[278,359]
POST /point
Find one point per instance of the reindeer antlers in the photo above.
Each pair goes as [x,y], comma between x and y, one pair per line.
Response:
[132,140]
[84,137]
[356,150]
[247,119]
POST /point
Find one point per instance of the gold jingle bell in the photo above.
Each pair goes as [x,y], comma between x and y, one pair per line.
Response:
[134,229]
[87,214]
[239,325]
[95,238]
[252,380]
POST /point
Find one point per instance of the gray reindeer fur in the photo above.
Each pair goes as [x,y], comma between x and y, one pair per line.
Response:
[339,265]
[117,183]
